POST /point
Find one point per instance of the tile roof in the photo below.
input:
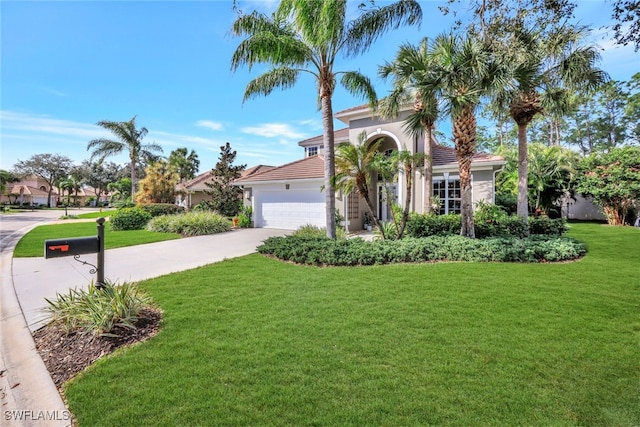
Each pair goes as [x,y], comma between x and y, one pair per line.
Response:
[307,168]
[339,135]
[199,182]
[28,190]
[443,155]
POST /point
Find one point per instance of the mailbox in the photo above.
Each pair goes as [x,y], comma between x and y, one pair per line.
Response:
[56,248]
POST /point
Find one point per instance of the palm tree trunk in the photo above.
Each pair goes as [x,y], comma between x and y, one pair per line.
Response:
[408,174]
[132,164]
[464,133]
[428,171]
[523,171]
[329,158]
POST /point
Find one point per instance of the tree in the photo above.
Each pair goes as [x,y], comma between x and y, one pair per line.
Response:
[627,11]
[410,67]
[159,184]
[306,36]
[121,190]
[185,164]
[129,138]
[613,180]
[354,166]
[546,69]
[50,167]
[6,177]
[463,71]
[100,175]
[226,199]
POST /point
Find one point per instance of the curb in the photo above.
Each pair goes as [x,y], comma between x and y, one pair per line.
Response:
[28,395]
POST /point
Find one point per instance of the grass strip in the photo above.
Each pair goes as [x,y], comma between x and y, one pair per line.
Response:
[32,243]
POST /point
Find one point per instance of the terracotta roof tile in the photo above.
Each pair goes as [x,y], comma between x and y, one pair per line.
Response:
[307,168]
[199,182]
[443,155]
[339,135]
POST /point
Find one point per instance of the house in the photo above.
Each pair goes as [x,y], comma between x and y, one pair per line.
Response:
[31,190]
[192,192]
[291,195]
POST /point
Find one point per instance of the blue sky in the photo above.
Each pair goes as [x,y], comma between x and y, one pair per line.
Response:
[67,65]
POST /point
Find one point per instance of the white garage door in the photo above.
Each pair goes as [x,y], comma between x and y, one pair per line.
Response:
[290,209]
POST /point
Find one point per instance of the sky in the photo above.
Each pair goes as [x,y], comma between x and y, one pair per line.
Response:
[64,66]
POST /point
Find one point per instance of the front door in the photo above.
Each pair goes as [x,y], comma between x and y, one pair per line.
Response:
[385,211]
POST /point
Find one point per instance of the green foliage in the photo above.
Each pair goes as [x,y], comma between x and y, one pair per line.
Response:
[244,218]
[190,224]
[489,222]
[322,251]
[185,164]
[226,198]
[129,219]
[312,231]
[157,209]
[613,180]
[389,228]
[98,311]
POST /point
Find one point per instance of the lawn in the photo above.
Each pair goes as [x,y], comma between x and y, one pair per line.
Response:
[32,243]
[255,341]
[96,214]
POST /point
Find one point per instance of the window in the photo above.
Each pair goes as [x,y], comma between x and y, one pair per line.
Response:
[311,151]
[353,203]
[448,190]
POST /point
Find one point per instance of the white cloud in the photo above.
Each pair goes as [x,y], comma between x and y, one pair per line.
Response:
[209,124]
[271,130]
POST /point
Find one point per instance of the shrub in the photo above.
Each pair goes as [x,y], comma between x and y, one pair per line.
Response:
[191,223]
[550,227]
[323,251]
[318,232]
[205,205]
[244,218]
[129,219]
[158,209]
[433,225]
[98,311]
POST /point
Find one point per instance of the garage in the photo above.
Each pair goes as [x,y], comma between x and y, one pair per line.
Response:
[288,196]
[288,209]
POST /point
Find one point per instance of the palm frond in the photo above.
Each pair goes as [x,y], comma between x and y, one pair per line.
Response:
[372,24]
[359,85]
[267,47]
[282,77]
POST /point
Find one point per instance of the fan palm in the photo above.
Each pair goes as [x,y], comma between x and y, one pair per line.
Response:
[546,71]
[306,36]
[354,166]
[409,69]
[463,71]
[129,138]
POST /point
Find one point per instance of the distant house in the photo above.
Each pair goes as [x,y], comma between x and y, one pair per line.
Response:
[290,195]
[31,190]
[192,192]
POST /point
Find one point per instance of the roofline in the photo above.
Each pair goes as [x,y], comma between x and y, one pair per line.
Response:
[277,181]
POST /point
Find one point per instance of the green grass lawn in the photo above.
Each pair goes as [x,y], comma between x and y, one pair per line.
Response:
[96,214]
[255,341]
[32,243]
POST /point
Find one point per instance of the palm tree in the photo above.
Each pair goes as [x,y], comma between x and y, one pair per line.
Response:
[463,71]
[354,166]
[306,36]
[128,138]
[546,70]
[409,69]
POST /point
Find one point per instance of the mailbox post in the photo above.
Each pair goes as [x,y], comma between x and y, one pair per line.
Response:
[56,248]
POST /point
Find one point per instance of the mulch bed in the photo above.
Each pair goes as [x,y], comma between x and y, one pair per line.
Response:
[66,355]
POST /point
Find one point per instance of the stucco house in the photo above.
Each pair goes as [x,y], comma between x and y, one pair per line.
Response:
[192,192]
[30,190]
[290,195]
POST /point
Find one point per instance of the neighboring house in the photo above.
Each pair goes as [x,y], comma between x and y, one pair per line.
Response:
[290,195]
[581,208]
[31,190]
[192,192]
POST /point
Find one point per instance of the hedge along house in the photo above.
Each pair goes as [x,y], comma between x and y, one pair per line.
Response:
[290,195]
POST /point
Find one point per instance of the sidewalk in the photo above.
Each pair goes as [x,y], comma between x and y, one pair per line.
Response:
[27,393]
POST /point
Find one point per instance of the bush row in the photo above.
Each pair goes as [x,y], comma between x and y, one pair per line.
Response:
[158,209]
[129,219]
[190,224]
[510,226]
[323,251]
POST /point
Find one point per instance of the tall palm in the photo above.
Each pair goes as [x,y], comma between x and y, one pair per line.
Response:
[129,138]
[354,166]
[463,72]
[409,69]
[306,36]
[546,69]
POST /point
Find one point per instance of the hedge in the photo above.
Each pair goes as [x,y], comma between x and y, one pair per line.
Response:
[129,219]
